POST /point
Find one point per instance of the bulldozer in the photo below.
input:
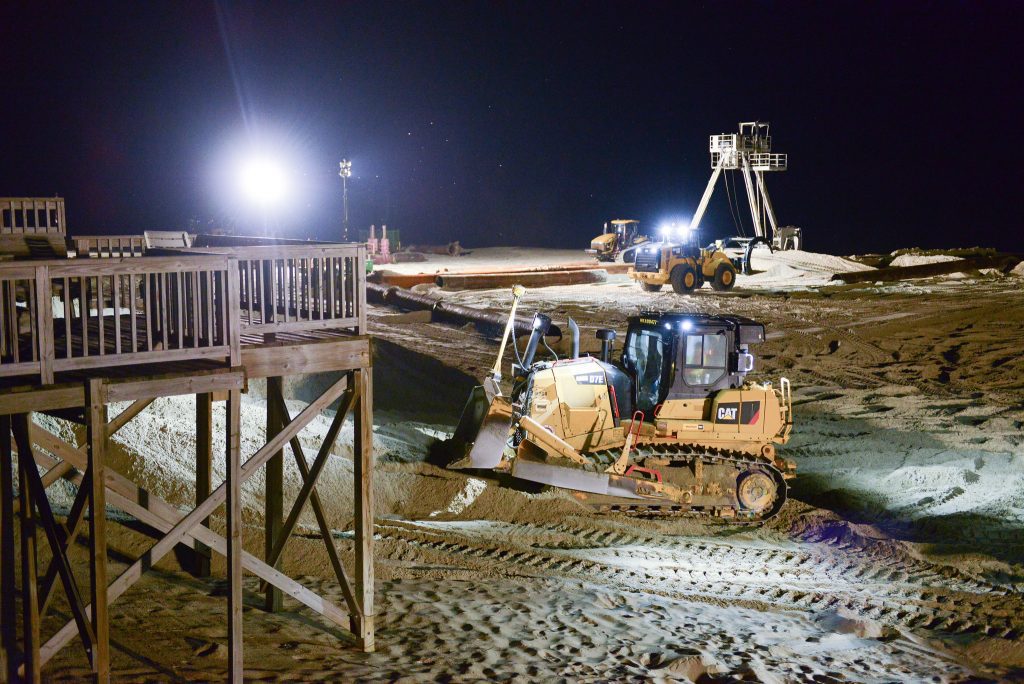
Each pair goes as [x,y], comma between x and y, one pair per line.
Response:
[684,264]
[618,241]
[670,426]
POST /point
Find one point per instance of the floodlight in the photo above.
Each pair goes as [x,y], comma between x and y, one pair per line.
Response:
[262,181]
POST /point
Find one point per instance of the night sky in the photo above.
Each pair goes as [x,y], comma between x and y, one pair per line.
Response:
[519,123]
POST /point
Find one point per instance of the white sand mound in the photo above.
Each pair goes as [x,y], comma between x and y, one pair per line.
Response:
[1018,270]
[918,259]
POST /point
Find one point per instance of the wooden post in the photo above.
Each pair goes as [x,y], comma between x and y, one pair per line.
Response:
[204,472]
[8,611]
[362,457]
[29,579]
[96,432]
[274,494]
[233,501]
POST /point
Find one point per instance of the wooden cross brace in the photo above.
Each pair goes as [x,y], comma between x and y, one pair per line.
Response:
[187,528]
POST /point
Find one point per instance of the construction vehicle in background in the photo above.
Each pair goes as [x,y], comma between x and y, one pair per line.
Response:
[618,241]
[750,152]
[671,426]
[679,260]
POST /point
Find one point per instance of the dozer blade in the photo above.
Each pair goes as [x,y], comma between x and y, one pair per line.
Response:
[575,478]
[484,430]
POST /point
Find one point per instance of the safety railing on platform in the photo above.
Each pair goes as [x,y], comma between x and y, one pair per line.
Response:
[769,161]
[77,314]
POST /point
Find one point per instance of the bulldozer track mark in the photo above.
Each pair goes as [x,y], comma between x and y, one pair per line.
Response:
[947,610]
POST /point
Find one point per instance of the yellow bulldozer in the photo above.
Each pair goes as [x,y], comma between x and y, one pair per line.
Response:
[671,426]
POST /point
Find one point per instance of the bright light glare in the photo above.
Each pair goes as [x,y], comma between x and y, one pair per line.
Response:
[262,181]
[671,228]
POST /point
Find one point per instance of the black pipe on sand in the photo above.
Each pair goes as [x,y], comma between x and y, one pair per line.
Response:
[442,311]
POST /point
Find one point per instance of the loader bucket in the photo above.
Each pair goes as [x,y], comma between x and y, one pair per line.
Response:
[482,431]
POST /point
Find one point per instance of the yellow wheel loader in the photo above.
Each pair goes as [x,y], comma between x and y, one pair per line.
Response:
[618,241]
[684,265]
[671,426]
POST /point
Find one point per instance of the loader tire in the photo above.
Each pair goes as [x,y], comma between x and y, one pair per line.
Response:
[725,277]
[684,279]
[650,287]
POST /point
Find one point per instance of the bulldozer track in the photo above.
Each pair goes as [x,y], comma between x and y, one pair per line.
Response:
[680,454]
[732,574]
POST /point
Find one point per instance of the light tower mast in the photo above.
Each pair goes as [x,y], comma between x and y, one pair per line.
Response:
[345,171]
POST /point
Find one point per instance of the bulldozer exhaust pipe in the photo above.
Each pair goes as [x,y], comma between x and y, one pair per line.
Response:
[607,338]
[575,331]
[541,323]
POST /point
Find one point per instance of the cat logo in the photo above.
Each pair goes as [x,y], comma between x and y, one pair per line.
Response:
[727,413]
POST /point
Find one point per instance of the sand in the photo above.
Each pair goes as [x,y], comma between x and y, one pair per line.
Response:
[918,259]
[900,556]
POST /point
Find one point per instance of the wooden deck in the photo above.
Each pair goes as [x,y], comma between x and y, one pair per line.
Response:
[77,335]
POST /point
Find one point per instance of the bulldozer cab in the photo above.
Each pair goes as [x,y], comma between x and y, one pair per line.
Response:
[684,356]
[625,231]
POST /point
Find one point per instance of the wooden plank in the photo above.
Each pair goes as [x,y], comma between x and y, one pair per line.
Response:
[311,357]
[8,609]
[44,321]
[204,472]
[189,522]
[362,457]
[60,268]
[194,296]
[133,312]
[68,313]
[234,535]
[117,313]
[29,578]
[211,337]
[33,312]
[96,424]
[99,315]
[41,399]
[157,356]
[331,302]
[359,279]
[196,382]
[165,299]
[273,495]
[234,312]
[180,306]
[305,324]
[127,414]
[150,283]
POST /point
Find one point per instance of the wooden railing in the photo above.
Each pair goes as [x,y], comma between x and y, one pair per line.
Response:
[107,246]
[20,215]
[97,313]
[287,289]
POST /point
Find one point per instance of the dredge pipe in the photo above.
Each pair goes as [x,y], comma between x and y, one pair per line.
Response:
[457,281]
[442,311]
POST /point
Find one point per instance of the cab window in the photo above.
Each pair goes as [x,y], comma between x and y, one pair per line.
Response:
[704,361]
[645,356]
